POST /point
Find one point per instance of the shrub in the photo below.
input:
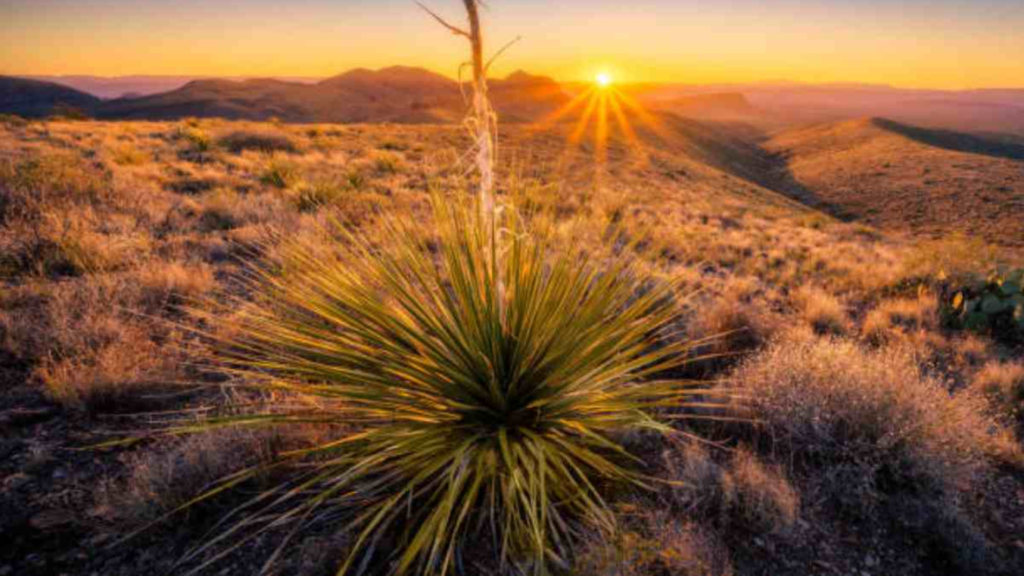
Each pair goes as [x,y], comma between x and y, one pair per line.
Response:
[660,544]
[1003,385]
[199,142]
[128,155]
[160,481]
[280,173]
[266,142]
[823,311]
[312,197]
[83,345]
[892,318]
[872,418]
[476,405]
[741,492]
[387,164]
[356,180]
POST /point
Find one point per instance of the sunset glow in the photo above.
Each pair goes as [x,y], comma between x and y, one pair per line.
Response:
[942,43]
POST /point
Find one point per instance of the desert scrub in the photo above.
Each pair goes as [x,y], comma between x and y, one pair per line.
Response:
[259,141]
[1002,384]
[387,164]
[319,194]
[873,414]
[280,172]
[476,408]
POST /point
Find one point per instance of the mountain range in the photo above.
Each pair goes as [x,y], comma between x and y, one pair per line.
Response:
[396,94]
[414,95]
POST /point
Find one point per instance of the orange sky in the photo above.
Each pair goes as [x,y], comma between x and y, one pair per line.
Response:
[912,43]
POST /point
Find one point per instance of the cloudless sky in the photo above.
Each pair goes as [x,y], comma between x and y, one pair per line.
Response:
[913,43]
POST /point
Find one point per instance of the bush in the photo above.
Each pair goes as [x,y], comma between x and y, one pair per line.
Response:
[476,407]
[312,197]
[266,142]
[829,400]
[280,173]
[742,492]
[1002,384]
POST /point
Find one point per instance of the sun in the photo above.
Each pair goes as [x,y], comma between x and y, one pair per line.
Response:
[604,79]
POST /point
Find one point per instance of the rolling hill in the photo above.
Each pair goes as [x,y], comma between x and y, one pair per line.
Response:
[900,177]
[397,94]
[34,98]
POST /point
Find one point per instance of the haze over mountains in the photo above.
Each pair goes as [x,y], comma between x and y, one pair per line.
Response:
[414,95]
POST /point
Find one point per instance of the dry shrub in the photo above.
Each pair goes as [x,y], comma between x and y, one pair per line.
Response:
[892,319]
[280,172]
[166,284]
[160,481]
[823,311]
[659,544]
[828,400]
[259,141]
[127,154]
[869,432]
[732,329]
[1002,384]
[84,344]
[739,492]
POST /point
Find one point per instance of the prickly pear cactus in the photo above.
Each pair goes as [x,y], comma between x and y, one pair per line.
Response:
[993,305]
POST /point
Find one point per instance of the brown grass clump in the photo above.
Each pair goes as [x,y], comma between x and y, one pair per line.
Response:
[280,172]
[873,437]
[874,414]
[733,328]
[822,311]
[258,141]
[658,544]
[740,491]
[166,284]
[84,344]
[892,319]
[1002,384]
[161,481]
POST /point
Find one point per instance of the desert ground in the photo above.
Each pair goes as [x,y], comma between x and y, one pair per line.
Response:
[877,438]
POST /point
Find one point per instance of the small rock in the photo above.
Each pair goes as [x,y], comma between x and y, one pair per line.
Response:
[5,570]
[871,561]
[59,474]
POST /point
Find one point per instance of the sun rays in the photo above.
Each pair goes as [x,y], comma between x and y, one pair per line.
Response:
[599,117]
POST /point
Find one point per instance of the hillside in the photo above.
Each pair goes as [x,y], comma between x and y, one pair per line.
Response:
[108,228]
[903,178]
[34,98]
[729,106]
[397,94]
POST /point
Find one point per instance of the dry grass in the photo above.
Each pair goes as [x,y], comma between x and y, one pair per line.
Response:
[893,320]
[876,412]
[1003,385]
[263,141]
[822,311]
[106,229]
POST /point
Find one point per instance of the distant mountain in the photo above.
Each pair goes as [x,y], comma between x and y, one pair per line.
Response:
[112,87]
[397,94]
[34,99]
[901,177]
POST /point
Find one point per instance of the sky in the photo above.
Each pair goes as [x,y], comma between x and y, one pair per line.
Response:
[952,44]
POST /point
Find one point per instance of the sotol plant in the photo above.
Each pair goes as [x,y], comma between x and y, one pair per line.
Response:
[489,374]
[476,411]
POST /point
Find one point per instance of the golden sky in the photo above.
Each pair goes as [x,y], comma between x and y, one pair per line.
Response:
[911,43]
